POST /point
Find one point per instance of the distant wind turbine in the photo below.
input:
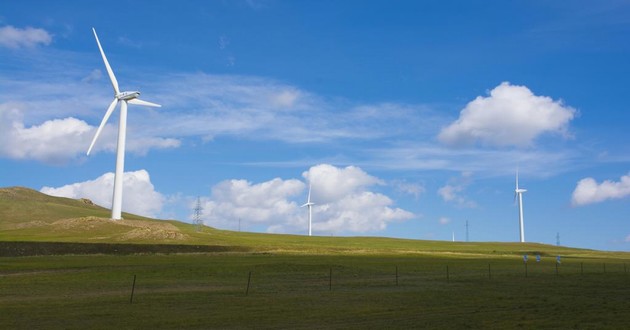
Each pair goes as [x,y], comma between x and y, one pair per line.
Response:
[309,204]
[123,98]
[518,193]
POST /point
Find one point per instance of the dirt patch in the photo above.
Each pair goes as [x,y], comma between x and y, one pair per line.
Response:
[154,234]
[123,230]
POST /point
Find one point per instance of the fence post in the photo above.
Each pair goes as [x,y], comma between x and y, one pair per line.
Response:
[489,273]
[525,269]
[330,280]
[249,279]
[447,274]
[133,287]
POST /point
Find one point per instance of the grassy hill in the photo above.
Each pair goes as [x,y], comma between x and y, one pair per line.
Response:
[27,215]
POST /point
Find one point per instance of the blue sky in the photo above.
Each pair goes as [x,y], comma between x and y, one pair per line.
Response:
[408,118]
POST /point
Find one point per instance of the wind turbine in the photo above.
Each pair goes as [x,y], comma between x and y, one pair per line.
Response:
[309,204]
[122,98]
[519,193]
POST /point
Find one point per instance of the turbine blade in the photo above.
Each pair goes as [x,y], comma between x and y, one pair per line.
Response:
[103,122]
[145,103]
[109,68]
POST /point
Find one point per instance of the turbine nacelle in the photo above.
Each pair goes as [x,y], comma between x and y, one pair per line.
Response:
[126,96]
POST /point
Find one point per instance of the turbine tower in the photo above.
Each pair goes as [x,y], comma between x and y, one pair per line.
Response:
[122,98]
[309,204]
[518,193]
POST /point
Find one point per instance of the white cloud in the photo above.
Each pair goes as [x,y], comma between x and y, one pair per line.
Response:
[451,192]
[12,37]
[286,98]
[332,183]
[245,107]
[259,108]
[59,140]
[360,212]
[510,116]
[444,220]
[588,191]
[414,189]
[343,203]
[139,195]
[263,203]
[95,75]
[627,238]
[53,141]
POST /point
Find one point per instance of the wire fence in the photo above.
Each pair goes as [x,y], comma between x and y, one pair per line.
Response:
[347,278]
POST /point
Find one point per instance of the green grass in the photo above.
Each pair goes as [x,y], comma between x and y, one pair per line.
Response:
[290,288]
[292,291]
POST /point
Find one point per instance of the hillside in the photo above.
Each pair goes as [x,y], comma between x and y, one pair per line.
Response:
[27,215]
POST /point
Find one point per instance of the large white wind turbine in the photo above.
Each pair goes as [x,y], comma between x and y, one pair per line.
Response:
[518,193]
[123,98]
[309,204]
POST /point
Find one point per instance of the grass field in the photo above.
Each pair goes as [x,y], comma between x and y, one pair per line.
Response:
[295,282]
[298,291]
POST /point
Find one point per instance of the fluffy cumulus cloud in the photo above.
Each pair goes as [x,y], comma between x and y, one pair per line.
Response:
[510,116]
[588,191]
[12,37]
[139,194]
[59,140]
[53,141]
[266,203]
[332,183]
[343,203]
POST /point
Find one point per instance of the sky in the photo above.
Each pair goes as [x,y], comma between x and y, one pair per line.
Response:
[409,119]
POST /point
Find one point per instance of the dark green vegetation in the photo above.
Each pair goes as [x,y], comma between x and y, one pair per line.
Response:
[291,285]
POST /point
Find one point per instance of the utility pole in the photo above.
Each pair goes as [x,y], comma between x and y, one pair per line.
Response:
[197,219]
[466,230]
[558,239]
